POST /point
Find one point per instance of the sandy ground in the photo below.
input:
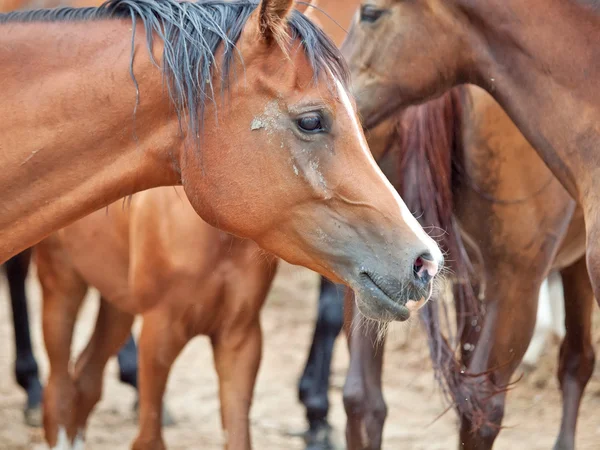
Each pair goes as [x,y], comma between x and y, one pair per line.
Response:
[532,418]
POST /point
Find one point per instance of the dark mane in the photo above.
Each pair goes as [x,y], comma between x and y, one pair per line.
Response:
[430,167]
[192,33]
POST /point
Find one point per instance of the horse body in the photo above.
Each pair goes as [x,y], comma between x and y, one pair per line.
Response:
[159,259]
[548,87]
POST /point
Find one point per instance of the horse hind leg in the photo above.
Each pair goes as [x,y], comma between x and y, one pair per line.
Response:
[113,326]
[63,292]
[576,352]
[26,367]
[314,383]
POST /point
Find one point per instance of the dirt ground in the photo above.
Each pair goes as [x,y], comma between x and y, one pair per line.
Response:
[532,418]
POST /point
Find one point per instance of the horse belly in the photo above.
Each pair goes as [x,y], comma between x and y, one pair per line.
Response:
[99,248]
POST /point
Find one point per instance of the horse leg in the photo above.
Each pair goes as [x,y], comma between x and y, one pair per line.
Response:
[110,333]
[160,343]
[314,383]
[128,373]
[237,356]
[26,368]
[576,352]
[543,326]
[63,292]
[365,406]
[505,335]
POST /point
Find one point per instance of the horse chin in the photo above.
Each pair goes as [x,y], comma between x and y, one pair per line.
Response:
[374,303]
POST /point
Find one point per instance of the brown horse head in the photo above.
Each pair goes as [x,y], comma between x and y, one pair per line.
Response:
[294,173]
[423,34]
[255,123]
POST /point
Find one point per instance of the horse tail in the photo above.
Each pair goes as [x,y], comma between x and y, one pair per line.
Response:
[431,158]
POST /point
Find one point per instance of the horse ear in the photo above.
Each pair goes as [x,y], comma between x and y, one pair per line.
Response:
[272,19]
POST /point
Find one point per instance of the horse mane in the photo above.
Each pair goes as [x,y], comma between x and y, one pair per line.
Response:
[430,167]
[192,32]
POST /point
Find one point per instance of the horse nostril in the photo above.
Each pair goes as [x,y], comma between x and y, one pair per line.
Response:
[425,268]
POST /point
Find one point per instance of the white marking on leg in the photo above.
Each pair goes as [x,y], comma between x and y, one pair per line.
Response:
[557,304]
[62,440]
[79,442]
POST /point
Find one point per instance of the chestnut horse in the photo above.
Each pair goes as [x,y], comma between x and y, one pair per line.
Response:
[275,90]
[474,156]
[156,258]
[17,267]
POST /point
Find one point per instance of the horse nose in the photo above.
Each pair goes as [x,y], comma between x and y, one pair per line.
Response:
[425,268]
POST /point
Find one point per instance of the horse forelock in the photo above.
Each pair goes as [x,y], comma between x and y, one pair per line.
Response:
[192,32]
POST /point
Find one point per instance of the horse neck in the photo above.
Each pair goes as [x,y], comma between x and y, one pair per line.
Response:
[340,13]
[544,80]
[67,127]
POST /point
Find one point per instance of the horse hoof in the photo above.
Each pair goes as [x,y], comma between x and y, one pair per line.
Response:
[33,416]
[320,439]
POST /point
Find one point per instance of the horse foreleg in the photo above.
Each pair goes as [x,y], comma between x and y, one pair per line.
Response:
[365,406]
[111,331]
[506,332]
[237,356]
[26,368]
[576,352]
[63,292]
[314,383]
[160,343]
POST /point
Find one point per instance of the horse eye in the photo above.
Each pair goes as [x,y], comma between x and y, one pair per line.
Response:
[369,13]
[310,123]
